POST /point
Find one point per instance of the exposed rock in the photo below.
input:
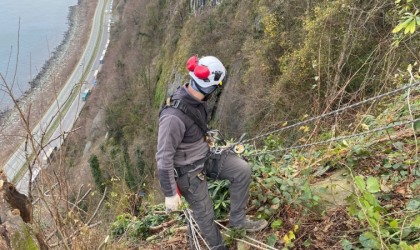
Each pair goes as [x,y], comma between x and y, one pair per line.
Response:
[334,190]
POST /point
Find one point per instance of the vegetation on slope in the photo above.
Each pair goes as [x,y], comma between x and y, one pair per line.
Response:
[287,60]
[379,181]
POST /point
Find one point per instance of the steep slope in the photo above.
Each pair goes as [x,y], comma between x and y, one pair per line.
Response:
[287,61]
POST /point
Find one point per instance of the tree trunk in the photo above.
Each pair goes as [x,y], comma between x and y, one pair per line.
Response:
[16,230]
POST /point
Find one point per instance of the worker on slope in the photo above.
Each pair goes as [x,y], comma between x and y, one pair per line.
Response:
[184,157]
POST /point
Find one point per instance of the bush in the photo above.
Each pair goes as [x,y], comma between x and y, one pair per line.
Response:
[96,173]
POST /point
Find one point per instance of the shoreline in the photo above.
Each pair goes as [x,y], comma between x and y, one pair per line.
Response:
[53,75]
[53,62]
[71,18]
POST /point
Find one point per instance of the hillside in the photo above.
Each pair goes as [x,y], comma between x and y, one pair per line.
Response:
[320,88]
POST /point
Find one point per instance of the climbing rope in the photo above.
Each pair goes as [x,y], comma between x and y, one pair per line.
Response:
[260,245]
[340,138]
[408,86]
[193,235]
[194,230]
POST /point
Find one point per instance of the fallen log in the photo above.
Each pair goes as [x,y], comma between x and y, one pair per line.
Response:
[162,226]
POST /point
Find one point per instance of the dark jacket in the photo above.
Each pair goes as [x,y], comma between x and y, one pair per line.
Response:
[180,140]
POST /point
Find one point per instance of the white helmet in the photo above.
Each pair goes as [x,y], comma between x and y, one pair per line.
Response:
[206,72]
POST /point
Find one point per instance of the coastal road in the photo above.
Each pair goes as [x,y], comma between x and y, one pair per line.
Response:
[60,117]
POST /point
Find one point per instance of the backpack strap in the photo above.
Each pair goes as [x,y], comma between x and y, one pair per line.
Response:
[186,109]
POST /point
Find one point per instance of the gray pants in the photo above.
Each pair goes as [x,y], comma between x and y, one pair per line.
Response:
[225,166]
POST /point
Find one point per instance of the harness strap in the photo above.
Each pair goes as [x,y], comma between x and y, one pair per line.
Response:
[181,170]
[186,109]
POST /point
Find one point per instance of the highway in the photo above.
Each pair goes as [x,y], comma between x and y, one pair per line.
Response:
[59,119]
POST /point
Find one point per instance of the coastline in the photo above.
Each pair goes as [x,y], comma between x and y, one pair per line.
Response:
[49,81]
[58,51]
[54,61]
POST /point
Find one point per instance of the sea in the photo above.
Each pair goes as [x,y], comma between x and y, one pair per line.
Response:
[29,32]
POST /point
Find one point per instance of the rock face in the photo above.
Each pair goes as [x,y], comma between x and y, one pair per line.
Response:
[16,230]
[334,189]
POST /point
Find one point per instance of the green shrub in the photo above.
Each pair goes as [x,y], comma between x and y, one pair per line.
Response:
[384,230]
[275,185]
[96,172]
[136,228]
[219,193]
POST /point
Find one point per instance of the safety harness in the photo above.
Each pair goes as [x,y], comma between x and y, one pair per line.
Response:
[186,109]
[194,115]
[213,137]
